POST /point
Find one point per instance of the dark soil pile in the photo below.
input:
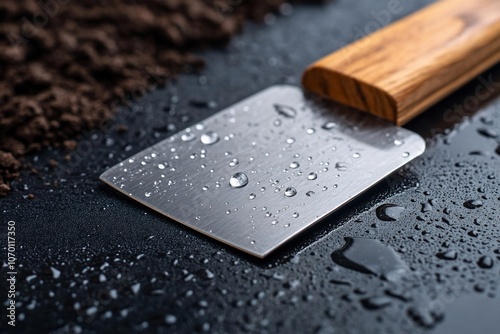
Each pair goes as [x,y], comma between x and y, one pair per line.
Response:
[66,65]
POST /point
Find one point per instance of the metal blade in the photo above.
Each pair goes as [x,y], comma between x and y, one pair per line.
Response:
[302,159]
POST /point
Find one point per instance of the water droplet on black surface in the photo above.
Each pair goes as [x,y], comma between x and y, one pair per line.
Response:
[473,204]
[170,319]
[399,294]
[205,274]
[55,273]
[426,316]
[479,153]
[479,287]
[136,288]
[370,256]
[485,262]
[389,212]
[487,132]
[374,303]
[448,255]
[473,233]
[426,207]
[238,180]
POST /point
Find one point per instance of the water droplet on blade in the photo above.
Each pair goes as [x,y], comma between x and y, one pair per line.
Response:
[285,111]
[188,136]
[312,176]
[341,166]
[290,192]
[329,125]
[233,162]
[209,138]
[238,180]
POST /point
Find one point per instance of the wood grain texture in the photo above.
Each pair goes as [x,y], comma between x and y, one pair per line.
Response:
[404,68]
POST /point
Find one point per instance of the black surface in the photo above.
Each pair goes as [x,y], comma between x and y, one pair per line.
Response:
[104,245]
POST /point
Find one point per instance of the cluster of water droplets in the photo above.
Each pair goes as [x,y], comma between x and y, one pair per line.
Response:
[304,178]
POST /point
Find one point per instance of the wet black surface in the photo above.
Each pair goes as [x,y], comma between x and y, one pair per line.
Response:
[89,260]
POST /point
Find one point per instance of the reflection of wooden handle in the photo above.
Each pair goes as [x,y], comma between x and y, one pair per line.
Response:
[401,70]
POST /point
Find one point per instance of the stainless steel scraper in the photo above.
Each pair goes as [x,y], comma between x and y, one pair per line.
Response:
[259,172]
[263,170]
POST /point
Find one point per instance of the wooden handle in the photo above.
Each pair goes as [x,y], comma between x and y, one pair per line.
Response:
[401,70]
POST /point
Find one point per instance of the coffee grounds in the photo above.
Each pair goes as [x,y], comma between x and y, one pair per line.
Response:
[66,65]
